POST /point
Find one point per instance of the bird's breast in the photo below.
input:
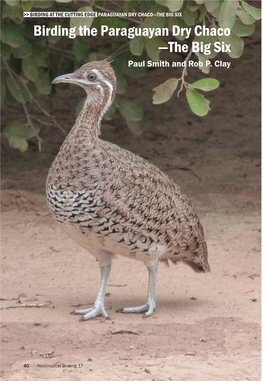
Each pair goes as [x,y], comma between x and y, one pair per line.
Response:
[74,206]
[90,221]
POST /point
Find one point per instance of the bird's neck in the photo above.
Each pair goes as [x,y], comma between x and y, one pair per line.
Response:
[87,124]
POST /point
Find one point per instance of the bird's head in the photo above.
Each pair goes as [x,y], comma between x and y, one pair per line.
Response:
[97,79]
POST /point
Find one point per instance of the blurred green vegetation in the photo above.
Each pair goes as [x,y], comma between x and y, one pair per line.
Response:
[30,63]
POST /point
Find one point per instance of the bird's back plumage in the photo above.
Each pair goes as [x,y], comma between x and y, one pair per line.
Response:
[133,207]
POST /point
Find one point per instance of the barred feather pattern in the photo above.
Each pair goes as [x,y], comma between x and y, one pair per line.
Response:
[127,205]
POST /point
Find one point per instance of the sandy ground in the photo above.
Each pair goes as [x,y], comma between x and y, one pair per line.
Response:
[206,326]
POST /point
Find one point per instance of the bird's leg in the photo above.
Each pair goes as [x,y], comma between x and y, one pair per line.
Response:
[98,308]
[151,297]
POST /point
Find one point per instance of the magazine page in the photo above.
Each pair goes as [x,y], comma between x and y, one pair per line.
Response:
[130,144]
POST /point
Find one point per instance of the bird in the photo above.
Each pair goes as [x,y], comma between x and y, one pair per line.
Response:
[113,202]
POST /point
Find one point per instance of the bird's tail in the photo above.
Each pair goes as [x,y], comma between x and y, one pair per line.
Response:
[202,265]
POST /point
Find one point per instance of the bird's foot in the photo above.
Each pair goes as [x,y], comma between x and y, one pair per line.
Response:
[96,310]
[148,308]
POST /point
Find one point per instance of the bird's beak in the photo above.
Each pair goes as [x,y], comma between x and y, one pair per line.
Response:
[64,79]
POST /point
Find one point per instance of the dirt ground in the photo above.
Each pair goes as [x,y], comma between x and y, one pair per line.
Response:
[205,327]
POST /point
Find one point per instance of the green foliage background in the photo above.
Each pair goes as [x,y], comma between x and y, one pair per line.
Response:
[30,63]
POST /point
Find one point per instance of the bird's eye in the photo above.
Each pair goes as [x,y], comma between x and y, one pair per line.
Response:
[92,76]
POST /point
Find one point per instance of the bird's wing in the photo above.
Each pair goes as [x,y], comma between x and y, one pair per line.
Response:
[145,200]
